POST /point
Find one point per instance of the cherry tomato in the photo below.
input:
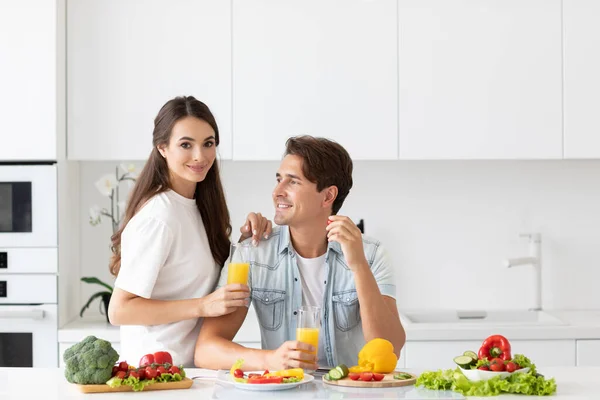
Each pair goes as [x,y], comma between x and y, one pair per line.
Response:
[366,376]
[378,377]
[142,373]
[353,376]
[123,366]
[238,373]
[134,374]
[484,368]
[161,370]
[115,369]
[511,366]
[121,374]
[174,369]
[497,365]
[151,373]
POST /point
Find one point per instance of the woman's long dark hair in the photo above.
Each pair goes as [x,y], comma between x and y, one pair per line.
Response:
[154,179]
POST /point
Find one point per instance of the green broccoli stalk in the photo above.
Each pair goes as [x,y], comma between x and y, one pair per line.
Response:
[90,361]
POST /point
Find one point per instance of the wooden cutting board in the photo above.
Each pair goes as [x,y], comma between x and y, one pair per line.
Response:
[185,383]
[388,381]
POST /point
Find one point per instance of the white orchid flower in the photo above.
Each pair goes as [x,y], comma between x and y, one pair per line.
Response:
[129,169]
[106,184]
[95,215]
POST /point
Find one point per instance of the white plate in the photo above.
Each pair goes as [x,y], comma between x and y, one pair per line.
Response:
[475,375]
[226,378]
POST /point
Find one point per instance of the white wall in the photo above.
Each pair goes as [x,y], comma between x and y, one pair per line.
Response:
[448,225]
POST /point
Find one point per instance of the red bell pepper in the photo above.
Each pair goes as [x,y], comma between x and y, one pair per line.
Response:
[496,346]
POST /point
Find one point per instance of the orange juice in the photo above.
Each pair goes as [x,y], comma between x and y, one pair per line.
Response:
[238,273]
[310,336]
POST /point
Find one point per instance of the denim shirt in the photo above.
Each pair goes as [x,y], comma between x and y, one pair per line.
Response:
[276,292]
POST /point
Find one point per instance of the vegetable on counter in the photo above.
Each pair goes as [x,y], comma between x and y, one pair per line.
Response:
[495,346]
[90,361]
[376,356]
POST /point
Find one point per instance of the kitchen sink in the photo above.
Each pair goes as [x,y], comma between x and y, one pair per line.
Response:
[481,317]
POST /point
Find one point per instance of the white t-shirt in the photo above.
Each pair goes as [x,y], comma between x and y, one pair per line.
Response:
[312,276]
[165,255]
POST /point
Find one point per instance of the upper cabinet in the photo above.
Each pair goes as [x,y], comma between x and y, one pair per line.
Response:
[481,79]
[323,68]
[126,58]
[28,48]
[582,79]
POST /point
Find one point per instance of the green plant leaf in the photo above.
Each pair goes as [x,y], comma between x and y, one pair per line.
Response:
[97,281]
[92,298]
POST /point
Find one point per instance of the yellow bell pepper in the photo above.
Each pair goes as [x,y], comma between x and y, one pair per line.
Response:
[376,356]
[294,372]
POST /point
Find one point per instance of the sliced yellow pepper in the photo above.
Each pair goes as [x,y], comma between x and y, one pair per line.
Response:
[294,372]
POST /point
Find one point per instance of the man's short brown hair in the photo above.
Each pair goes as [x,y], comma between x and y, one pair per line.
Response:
[326,163]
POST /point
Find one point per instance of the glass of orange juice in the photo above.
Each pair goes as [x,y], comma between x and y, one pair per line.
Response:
[308,327]
[239,264]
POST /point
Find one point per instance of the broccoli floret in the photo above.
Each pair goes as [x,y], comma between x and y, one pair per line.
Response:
[90,361]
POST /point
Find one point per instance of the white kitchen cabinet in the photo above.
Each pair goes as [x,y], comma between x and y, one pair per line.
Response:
[581,79]
[588,353]
[480,79]
[28,38]
[440,354]
[126,58]
[323,68]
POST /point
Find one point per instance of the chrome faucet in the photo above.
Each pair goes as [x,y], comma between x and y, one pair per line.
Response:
[535,260]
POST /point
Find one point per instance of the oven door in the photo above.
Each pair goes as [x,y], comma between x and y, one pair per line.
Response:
[29,336]
[28,204]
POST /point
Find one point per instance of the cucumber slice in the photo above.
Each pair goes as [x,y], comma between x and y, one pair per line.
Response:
[471,354]
[335,374]
[402,376]
[463,361]
[343,369]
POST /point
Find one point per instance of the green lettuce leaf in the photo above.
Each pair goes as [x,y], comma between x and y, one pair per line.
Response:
[520,383]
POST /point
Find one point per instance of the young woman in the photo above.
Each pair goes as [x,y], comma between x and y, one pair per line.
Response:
[174,240]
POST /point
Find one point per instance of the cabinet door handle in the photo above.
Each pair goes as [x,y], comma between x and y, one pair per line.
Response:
[21,312]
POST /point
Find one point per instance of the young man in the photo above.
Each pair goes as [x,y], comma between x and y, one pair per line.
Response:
[315,258]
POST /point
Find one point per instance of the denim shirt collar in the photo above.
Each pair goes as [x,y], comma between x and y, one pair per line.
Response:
[285,242]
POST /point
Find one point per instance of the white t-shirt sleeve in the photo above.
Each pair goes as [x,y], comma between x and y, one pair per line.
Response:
[145,246]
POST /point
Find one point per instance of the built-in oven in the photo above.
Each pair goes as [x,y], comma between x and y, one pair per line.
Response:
[28,266]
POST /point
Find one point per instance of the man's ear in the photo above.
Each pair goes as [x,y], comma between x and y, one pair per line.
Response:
[330,195]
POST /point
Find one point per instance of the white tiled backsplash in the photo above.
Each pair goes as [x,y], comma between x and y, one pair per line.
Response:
[448,225]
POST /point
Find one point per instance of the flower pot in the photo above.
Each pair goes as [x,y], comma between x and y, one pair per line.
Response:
[106,301]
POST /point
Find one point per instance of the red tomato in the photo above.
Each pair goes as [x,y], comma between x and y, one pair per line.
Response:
[266,372]
[497,365]
[115,369]
[121,374]
[366,376]
[238,373]
[161,370]
[484,368]
[134,374]
[511,366]
[254,375]
[263,379]
[146,360]
[142,373]
[151,373]
[378,377]
[123,366]
[175,370]
[353,376]
[161,357]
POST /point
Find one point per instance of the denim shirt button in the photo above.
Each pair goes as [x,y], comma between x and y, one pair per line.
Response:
[295,312]
[266,299]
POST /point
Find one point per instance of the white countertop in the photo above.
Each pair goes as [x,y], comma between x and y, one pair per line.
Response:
[50,384]
[577,325]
